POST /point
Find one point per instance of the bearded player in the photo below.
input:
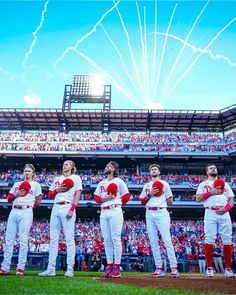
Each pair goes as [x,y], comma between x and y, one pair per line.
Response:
[218,201]
[112,193]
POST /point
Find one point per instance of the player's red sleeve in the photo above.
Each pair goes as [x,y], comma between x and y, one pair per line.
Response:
[125,198]
[144,200]
[98,199]
[10,197]
[52,194]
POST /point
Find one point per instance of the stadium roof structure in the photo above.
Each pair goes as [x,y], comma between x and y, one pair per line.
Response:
[119,120]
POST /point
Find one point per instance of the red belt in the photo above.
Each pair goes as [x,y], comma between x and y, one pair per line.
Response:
[110,207]
[63,203]
[213,208]
[155,208]
[21,206]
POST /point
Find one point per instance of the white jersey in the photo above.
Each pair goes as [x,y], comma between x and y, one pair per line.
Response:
[156,201]
[69,195]
[214,200]
[101,191]
[29,199]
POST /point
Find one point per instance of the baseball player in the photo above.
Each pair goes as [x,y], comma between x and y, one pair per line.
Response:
[23,199]
[217,202]
[157,195]
[63,215]
[112,192]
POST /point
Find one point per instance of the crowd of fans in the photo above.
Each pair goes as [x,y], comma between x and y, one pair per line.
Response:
[46,177]
[133,180]
[117,142]
[187,237]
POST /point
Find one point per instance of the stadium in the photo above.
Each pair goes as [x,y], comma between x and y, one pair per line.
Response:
[152,90]
[183,142]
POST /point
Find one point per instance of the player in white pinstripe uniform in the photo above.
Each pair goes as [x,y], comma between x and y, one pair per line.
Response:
[111,218]
[63,215]
[217,203]
[20,219]
[158,218]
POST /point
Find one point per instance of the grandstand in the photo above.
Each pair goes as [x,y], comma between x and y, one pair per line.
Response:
[182,142]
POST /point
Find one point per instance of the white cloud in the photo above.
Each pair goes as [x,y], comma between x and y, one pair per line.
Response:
[32,99]
[153,105]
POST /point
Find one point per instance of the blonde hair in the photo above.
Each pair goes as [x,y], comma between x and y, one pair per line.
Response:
[30,166]
[73,170]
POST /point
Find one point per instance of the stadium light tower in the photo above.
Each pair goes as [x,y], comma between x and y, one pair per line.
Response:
[88,88]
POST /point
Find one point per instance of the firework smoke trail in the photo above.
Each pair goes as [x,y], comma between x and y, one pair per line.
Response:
[183,47]
[214,56]
[35,33]
[141,38]
[163,51]
[68,49]
[146,77]
[130,47]
[155,44]
[197,58]
[108,76]
[121,58]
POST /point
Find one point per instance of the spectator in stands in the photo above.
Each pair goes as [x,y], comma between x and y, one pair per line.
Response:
[217,257]
[96,260]
[24,196]
[138,264]
[66,190]
[111,193]
[163,257]
[218,200]
[80,256]
[234,258]
[157,195]
[201,260]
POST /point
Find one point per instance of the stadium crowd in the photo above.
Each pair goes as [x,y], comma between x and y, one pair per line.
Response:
[124,137]
[93,178]
[45,178]
[117,142]
[187,237]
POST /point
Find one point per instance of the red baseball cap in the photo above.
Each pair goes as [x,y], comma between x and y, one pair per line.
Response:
[158,184]
[68,183]
[112,189]
[25,185]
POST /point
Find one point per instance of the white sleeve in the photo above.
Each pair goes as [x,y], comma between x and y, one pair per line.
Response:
[200,189]
[98,191]
[228,191]
[123,190]
[38,190]
[78,183]
[13,189]
[167,190]
[143,193]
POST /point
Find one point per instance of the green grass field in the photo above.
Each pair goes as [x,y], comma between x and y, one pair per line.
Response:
[82,283]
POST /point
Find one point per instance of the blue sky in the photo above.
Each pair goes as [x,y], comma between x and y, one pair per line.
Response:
[155,54]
